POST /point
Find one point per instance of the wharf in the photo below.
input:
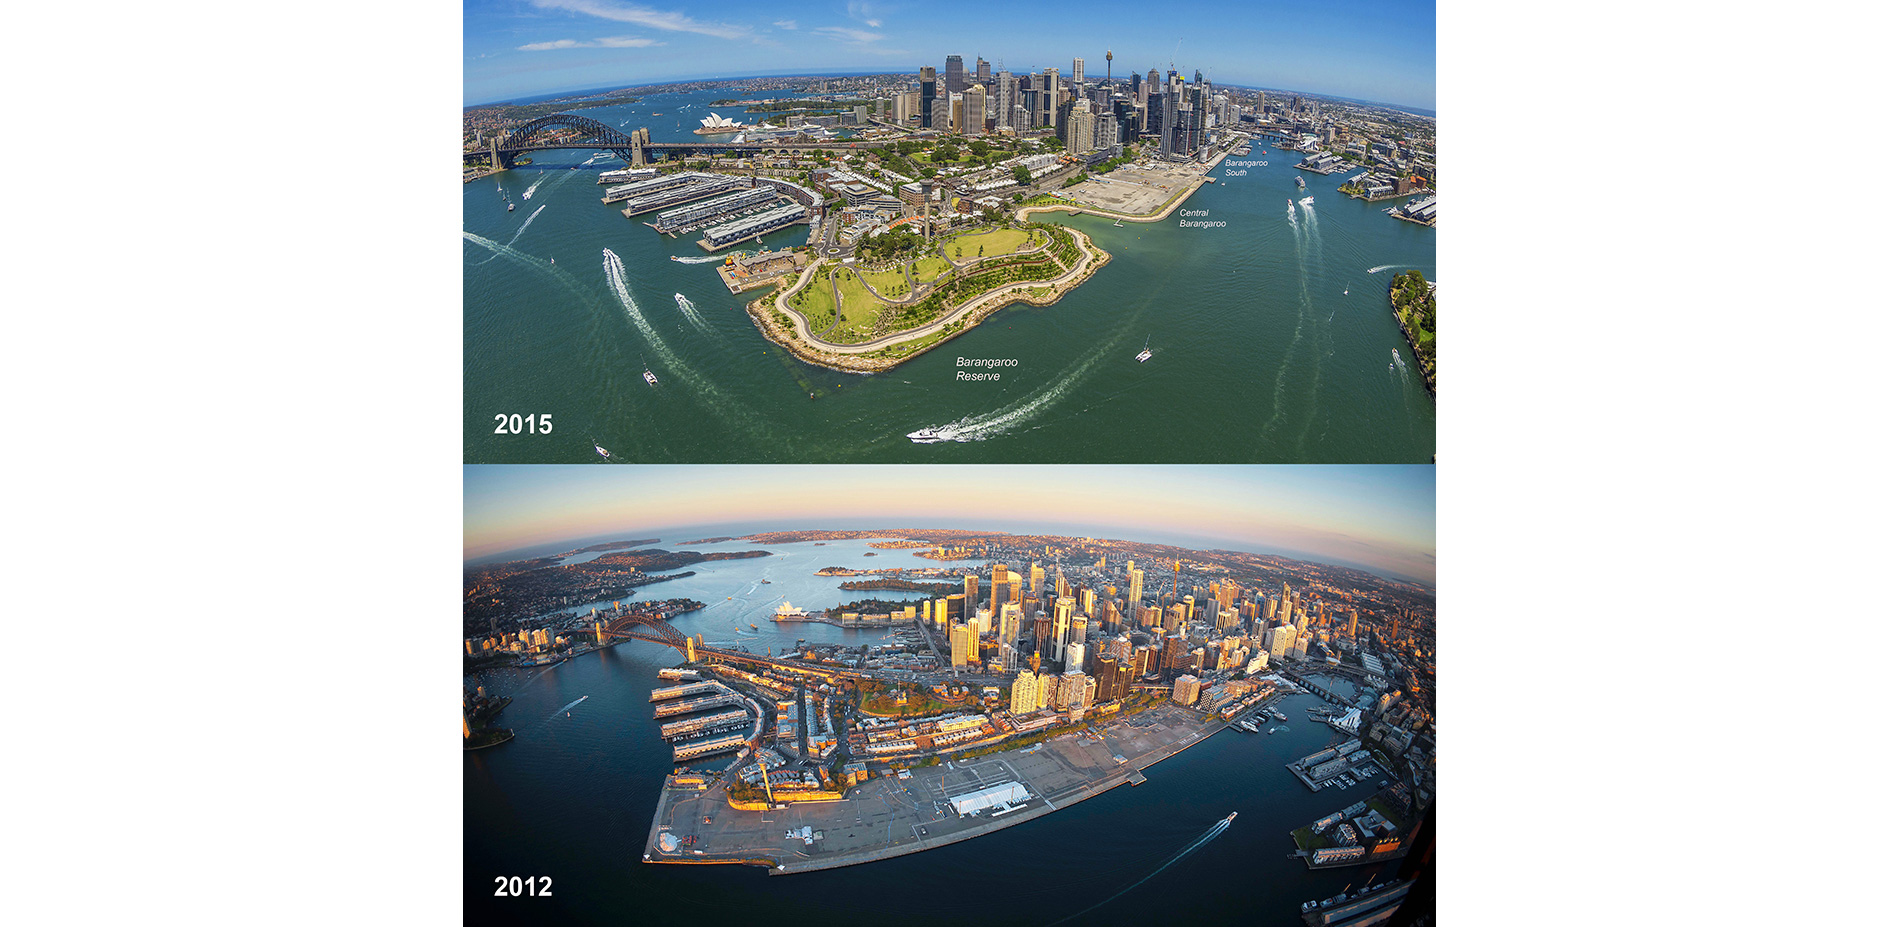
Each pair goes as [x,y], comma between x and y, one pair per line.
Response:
[914,813]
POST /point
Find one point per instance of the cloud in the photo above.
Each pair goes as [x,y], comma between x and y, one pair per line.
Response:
[848,34]
[786,24]
[612,41]
[645,16]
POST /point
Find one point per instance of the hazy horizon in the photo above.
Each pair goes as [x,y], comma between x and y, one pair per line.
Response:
[1378,518]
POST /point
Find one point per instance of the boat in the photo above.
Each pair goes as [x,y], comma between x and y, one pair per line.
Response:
[1142,358]
[1306,201]
[650,378]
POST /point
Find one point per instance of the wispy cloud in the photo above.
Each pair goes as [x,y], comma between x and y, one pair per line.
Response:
[863,12]
[645,16]
[786,24]
[611,41]
[847,34]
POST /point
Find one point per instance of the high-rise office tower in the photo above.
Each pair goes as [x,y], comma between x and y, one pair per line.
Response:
[953,74]
[1078,72]
[1065,610]
[1046,98]
[926,96]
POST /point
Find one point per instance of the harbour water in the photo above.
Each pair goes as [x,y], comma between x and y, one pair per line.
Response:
[572,796]
[1272,342]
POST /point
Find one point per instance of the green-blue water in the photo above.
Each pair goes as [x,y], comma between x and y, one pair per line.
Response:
[1271,341]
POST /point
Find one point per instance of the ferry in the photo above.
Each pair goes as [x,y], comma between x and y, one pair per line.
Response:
[650,378]
[1142,358]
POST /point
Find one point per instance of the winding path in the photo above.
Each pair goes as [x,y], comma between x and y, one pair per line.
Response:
[802,329]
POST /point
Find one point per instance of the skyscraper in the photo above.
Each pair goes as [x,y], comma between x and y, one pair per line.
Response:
[926,96]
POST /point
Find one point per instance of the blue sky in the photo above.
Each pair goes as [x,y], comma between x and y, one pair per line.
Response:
[1379,50]
[1378,517]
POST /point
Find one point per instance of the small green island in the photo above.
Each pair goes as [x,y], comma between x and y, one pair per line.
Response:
[904,295]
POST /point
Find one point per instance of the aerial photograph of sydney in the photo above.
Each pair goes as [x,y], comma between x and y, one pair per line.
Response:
[946,695]
[980,232]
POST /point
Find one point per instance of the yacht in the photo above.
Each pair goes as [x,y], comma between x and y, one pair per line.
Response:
[650,378]
[1142,358]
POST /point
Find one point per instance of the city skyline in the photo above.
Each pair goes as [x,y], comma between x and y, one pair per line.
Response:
[1381,518]
[1383,51]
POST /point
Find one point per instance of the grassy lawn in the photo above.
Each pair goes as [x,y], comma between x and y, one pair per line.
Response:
[861,310]
[992,243]
[1307,840]
[814,303]
[890,284]
[927,268]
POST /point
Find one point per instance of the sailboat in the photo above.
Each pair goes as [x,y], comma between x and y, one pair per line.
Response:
[1142,358]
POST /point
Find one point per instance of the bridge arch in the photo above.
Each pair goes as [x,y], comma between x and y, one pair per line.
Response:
[594,134]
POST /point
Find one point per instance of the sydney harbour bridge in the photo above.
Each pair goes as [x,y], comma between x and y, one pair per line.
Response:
[567,131]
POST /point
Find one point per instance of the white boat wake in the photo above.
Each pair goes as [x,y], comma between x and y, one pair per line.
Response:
[692,313]
[989,425]
[557,713]
[1220,827]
